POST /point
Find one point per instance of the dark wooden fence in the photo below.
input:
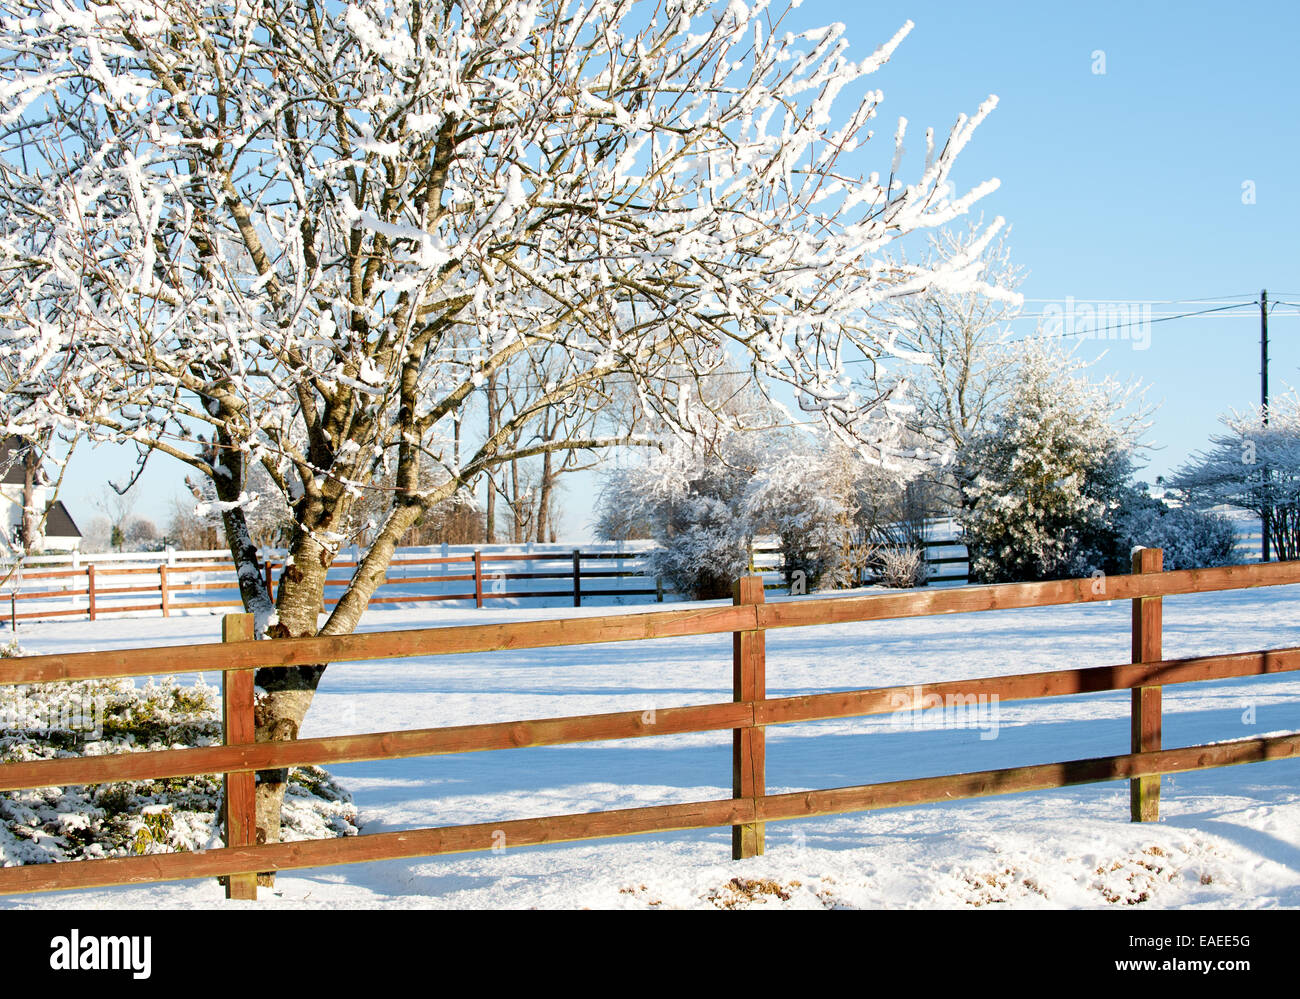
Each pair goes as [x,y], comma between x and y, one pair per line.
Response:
[749,808]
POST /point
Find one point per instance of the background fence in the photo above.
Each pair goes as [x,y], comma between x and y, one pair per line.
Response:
[186,581]
[54,586]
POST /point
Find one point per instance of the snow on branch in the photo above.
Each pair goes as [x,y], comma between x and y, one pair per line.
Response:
[312,236]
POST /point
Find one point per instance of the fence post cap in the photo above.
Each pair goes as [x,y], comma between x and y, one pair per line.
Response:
[1148,559]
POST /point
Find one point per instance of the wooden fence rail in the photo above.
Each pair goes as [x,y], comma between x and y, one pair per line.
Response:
[169,581]
[749,808]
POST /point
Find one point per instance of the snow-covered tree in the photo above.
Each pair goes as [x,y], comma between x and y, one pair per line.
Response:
[693,495]
[118,507]
[1254,467]
[304,235]
[803,492]
[141,535]
[1050,475]
[705,501]
[98,536]
[961,329]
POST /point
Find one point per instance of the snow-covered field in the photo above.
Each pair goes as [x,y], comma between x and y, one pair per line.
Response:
[1227,838]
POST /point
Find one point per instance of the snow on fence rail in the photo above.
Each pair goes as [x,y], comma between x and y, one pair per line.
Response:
[183,581]
[749,808]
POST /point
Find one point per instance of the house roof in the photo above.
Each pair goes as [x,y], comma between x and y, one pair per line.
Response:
[59,523]
[11,460]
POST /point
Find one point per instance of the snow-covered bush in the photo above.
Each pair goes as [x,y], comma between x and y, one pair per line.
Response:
[899,568]
[1191,539]
[127,818]
[694,498]
[704,504]
[1050,475]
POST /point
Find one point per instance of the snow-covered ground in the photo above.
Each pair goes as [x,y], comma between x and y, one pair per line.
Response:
[1227,838]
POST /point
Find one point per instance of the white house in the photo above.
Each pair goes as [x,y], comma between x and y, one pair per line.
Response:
[61,533]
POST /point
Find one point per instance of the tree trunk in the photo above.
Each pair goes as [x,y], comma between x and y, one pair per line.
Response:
[287,693]
[494,424]
[544,500]
[516,535]
[278,712]
[29,531]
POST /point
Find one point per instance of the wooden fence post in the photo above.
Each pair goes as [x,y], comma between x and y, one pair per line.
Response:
[238,728]
[1144,792]
[577,578]
[90,589]
[748,745]
[478,578]
[162,586]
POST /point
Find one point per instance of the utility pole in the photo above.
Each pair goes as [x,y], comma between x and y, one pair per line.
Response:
[1266,511]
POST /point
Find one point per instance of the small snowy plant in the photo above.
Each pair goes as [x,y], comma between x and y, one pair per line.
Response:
[128,818]
[900,568]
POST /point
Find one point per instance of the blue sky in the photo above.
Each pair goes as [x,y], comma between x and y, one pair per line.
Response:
[1123,185]
[1128,185]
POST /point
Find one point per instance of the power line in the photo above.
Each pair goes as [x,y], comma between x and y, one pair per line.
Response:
[1171,315]
[1090,331]
[1221,300]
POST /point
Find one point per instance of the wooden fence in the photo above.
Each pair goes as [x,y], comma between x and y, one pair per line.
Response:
[480,576]
[163,580]
[749,808]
